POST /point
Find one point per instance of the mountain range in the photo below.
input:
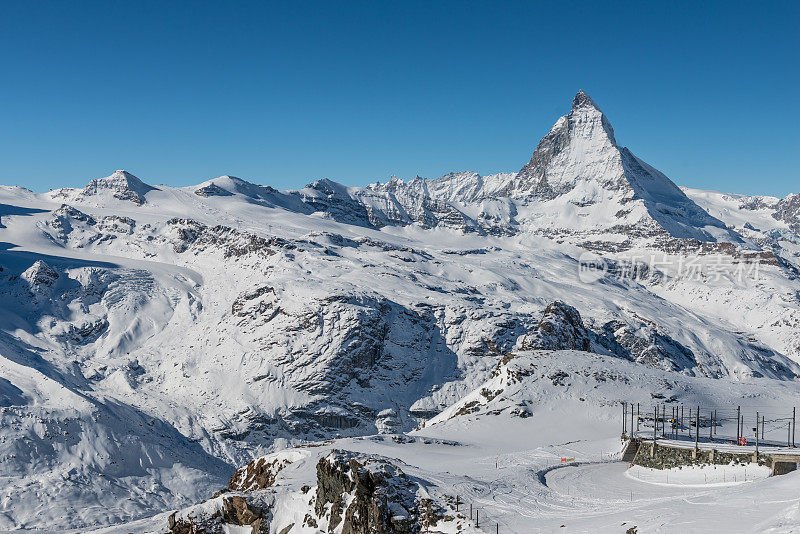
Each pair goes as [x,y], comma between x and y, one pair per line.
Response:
[154,339]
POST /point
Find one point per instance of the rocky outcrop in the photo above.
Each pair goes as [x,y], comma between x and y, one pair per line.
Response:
[365,496]
[40,278]
[647,345]
[233,510]
[188,233]
[561,328]
[257,475]
[212,190]
[120,185]
[355,494]
[788,210]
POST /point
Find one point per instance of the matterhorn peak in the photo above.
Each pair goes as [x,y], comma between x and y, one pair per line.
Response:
[578,148]
[583,100]
[589,120]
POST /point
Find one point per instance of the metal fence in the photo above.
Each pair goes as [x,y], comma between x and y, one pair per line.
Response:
[749,425]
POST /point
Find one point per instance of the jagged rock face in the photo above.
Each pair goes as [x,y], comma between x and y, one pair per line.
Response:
[257,475]
[212,190]
[440,202]
[561,328]
[358,496]
[648,346]
[40,277]
[378,206]
[121,185]
[188,233]
[235,510]
[788,210]
[566,155]
[318,489]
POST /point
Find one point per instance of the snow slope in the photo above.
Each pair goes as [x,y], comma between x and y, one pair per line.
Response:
[502,457]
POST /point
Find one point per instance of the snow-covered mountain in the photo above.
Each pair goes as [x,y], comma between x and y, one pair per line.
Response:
[154,339]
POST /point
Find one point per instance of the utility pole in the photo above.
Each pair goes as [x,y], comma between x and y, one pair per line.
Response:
[794,423]
[675,422]
[637,416]
[655,407]
[655,424]
[763,422]
[788,434]
[681,415]
[697,430]
[711,427]
[658,417]
[624,416]
[738,412]
[756,436]
[632,420]
[661,420]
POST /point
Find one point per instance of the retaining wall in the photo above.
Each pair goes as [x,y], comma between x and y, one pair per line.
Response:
[659,456]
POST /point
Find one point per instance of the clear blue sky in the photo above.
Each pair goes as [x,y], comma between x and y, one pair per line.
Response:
[285,93]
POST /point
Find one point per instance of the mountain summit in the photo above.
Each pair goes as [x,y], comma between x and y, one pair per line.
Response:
[119,185]
[582,99]
[582,184]
[579,163]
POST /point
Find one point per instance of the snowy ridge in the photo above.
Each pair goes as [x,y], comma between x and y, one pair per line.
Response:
[121,185]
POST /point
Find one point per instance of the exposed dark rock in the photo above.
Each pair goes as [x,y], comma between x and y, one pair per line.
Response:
[234,510]
[212,190]
[384,498]
[646,345]
[256,475]
[561,328]
[788,210]
[40,277]
[234,243]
